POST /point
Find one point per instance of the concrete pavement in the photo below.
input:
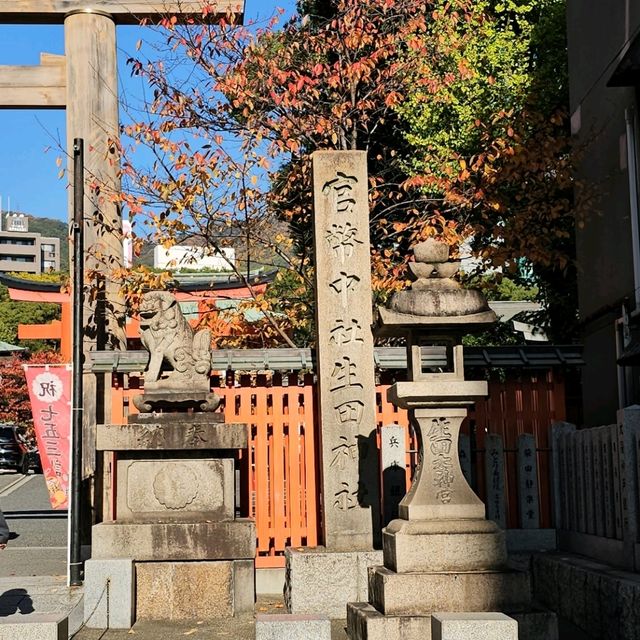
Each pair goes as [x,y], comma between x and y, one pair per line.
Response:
[38,534]
[236,629]
[21,596]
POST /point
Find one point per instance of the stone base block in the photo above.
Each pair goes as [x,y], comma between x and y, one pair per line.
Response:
[537,625]
[480,626]
[270,581]
[447,545]
[600,600]
[293,627]
[35,626]
[527,540]
[174,591]
[426,593]
[364,622]
[109,597]
[232,540]
[321,581]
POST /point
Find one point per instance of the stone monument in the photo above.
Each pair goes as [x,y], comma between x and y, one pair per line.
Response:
[441,554]
[175,541]
[322,579]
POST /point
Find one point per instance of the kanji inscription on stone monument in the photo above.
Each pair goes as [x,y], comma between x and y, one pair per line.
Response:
[345,350]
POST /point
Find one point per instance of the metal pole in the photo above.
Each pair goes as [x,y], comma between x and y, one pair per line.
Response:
[75,514]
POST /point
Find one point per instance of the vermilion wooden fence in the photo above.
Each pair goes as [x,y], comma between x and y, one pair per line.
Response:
[280,471]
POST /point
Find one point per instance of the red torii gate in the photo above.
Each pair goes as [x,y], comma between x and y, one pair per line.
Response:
[60,330]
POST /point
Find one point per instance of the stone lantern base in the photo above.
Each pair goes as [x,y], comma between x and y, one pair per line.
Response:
[445,545]
[447,566]
[441,555]
[365,622]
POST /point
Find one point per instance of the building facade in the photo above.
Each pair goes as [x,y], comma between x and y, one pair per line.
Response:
[604,76]
[26,252]
[187,256]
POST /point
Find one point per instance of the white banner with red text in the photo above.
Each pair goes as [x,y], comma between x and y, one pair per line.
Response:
[50,395]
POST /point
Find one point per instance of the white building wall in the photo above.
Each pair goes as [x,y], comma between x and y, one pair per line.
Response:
[190,257]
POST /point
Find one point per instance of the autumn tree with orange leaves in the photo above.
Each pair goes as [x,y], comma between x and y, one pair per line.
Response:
[15,406]
[426,88]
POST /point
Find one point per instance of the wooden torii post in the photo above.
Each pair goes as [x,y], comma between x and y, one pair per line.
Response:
[85,82]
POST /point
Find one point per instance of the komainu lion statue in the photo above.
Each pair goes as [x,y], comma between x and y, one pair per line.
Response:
[179,358]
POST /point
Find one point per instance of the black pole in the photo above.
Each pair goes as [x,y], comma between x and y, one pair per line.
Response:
[75,515]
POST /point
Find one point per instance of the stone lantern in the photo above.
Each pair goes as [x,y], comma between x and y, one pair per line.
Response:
[437,311]
[440,554]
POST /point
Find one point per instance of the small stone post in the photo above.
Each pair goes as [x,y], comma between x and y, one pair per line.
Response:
[629,418]
[528,494]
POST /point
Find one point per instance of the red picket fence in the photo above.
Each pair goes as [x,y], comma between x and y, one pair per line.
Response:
[280,471]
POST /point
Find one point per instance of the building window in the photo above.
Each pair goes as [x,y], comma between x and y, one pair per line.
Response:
[8,258]
[27,242]
[51,248]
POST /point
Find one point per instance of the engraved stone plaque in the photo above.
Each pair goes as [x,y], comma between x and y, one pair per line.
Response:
[528,497]
[175,490]
[494,470]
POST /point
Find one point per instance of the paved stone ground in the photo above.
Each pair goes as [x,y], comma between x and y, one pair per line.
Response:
[238,629]
[241,629]
[38,534]
[24,595]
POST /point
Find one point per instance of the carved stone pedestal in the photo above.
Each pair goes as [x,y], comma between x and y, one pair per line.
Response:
[174,481]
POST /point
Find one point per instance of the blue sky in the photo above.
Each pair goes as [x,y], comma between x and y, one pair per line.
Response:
[28,171]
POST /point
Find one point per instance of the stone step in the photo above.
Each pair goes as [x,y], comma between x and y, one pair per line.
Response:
[364,622]
[478,625]
[422,593]
[25,596]
[35,626]
[292,627]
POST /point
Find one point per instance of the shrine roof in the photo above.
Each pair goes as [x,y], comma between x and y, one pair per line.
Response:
[534,357]
[36,291]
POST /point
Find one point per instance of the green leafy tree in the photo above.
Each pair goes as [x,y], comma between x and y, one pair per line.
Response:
[497,146]
[14,313]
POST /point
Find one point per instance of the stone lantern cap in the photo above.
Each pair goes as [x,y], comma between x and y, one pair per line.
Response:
[435,302]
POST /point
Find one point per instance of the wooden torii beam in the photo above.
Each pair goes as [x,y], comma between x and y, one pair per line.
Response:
[42,86]
[122,11]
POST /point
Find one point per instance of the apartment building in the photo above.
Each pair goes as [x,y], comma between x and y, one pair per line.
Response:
[24,251]
[604,79]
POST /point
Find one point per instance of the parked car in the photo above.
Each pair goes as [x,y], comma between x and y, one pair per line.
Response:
[15,452]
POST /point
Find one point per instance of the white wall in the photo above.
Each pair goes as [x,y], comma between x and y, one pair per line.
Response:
[189,257]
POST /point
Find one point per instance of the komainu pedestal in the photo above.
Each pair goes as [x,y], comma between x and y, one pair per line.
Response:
[175,516]
[174,482]
[441,554]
